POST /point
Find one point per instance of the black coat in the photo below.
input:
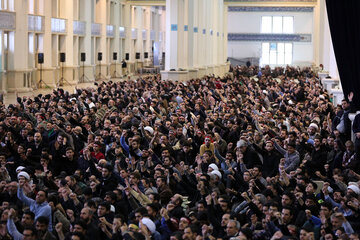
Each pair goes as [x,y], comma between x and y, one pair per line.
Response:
[271,162]
[251,158]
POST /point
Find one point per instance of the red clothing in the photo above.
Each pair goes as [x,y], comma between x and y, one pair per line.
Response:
[98,156]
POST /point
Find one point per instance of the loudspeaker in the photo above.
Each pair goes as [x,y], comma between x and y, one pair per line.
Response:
[137,55]
[99,56]
[83,57]
[40,58]
[163,54]
[115,56]
[62,57]
[127,56]
[146,54]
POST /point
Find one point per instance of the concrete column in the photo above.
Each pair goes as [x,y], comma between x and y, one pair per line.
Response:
[128,39]
[172,34]
[67,12]
[220,39]
[175,22]
[225,39]
[162,17]
[88,67]
[193,34]
[139,41]
[19,75]
[215,22]
[50,75]
[116,8]
[318,26]
[147,47]
[184,52]
[3,82]
[69,67]
[209,38]
[201,50]
[220,30]
[101,44]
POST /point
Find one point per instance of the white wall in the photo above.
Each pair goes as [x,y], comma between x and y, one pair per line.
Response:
[250,22]
[244,49]
[303,54]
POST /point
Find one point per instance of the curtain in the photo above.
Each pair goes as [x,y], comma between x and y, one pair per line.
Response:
[344,22]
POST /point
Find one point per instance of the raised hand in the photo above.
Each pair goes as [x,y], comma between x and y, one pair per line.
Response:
[59,227]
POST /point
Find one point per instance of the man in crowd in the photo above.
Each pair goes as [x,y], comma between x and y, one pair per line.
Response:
[150,151]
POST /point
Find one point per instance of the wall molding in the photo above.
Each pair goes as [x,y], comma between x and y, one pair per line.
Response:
[261,37]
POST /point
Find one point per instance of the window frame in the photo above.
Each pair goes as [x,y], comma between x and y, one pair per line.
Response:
[272,24]
[277,54]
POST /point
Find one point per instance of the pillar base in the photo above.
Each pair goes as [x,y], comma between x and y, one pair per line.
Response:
[193,73]
[227,67]
[147,63]
[3,82]
[70,75]
[102,72]
[89,73]
[202,72]
[329,83]
[49,76]
[138,65]
[323,75]
[221,70]
[338,96]
[131,66]
[224,69]
[217,71]
[115,70]
[20,80]
[210,70]
[180,76]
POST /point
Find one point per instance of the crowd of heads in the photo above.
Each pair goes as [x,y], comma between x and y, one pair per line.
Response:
[258,154]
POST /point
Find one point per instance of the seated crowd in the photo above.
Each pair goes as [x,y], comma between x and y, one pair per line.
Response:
[258,154]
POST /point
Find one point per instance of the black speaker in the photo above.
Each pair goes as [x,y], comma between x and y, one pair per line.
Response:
[146,54]
[137,55]
[40,58]
[62,57]
[83,57]
[127,56]
[99,56]
[115,56]
[163,54]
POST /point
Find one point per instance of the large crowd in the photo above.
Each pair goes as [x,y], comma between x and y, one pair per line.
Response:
[258,154]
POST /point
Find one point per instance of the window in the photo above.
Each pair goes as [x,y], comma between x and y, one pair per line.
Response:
[276,53]
[277,24]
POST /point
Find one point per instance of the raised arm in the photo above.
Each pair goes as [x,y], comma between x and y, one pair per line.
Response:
[20,194]
[12,228]
[279,148]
